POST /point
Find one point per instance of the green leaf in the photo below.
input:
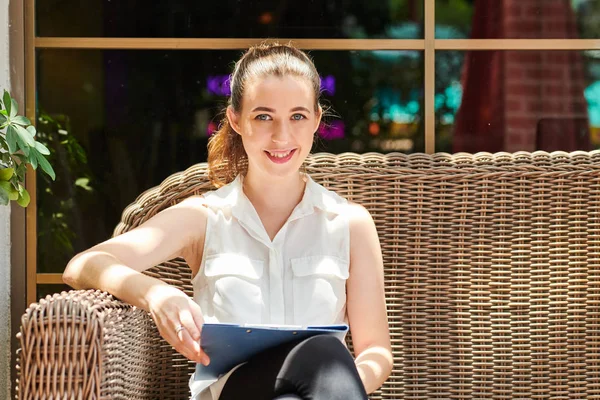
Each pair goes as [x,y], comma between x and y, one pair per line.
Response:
[14,108]
[46,167]
[13,194]
[11,139]
[22,140]
[7,102]
[3,197]
[6,159]
[3,118]
[21,120]
[84,184]
[6,174]
[24,198]
[21,170]
[26,136]
[41,148]
[23,146]
[33,159]
[31,129]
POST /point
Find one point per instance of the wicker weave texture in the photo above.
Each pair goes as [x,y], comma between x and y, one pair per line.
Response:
[492,272]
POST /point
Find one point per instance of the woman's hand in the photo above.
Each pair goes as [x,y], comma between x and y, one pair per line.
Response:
[170,308]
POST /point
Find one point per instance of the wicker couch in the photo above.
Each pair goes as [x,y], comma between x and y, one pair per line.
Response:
[492,270]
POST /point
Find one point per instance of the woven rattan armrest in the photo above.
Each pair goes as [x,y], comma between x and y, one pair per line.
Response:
[86,344]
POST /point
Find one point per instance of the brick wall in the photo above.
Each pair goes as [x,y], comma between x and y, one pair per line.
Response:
[544,89]
[541,92]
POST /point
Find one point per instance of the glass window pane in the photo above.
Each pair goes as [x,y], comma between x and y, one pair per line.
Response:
[230,18]
[523,19]
[45,289]
[517,100]
[119,122]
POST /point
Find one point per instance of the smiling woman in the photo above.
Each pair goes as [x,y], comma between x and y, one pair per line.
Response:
[283,130]
[269,246]
[273,111]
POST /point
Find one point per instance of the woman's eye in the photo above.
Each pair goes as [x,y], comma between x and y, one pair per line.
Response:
[298,117]
[263,117]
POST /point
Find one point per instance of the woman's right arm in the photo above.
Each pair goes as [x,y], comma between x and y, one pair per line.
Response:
[116,266]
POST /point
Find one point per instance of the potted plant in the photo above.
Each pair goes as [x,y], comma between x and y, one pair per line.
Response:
[18,148]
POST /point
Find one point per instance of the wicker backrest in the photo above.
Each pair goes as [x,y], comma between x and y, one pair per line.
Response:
[492,266]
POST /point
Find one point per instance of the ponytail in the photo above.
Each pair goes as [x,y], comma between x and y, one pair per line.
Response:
[226,155]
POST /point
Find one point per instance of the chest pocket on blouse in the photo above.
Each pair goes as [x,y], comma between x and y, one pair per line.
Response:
[234,285]
[319,286]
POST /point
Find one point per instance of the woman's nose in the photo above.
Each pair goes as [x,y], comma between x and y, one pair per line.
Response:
[281,135]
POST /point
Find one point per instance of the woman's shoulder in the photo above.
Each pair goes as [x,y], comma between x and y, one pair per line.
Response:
[207,202]
[331,201]
[220,198]
[326,199]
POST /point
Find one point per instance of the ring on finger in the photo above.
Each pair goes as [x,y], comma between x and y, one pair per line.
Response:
[179,328]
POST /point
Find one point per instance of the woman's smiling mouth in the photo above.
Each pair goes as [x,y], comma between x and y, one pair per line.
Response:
[280,156]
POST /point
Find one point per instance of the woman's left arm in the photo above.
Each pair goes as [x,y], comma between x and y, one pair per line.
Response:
[367,312]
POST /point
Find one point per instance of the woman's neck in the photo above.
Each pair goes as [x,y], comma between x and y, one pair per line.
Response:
[280,195]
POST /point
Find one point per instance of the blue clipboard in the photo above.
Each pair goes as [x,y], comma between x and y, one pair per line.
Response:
[228,345]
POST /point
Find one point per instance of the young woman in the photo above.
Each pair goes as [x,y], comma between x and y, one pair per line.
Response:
[269,246]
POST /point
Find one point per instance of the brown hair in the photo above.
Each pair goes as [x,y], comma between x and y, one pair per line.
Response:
[226,155]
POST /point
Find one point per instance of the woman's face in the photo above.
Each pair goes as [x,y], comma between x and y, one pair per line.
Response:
[277,124]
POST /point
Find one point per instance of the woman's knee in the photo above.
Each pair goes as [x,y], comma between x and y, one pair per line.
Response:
[319,351]
[321,367]
[325,347]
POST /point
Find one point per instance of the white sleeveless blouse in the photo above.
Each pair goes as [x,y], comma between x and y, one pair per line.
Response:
[299,278]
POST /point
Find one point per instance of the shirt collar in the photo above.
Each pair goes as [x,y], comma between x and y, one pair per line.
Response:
[243,210]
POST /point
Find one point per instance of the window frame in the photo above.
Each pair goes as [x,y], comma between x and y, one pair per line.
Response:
[25,238]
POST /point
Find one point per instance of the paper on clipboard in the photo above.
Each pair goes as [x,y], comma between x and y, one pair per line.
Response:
[228,345]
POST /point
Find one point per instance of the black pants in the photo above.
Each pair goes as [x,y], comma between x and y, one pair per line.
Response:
[319,368]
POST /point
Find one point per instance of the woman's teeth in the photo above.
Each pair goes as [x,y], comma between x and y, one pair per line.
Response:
[280,155]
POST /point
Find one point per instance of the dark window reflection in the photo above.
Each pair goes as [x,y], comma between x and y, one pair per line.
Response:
[522,19]
[119,122]
[517,100]
[45,289]
[231,18]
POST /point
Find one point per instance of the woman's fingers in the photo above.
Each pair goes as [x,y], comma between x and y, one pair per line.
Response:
[168,332]
[184,338]
[179,322]
[186,319]
[183,343]
[194,347]
[197,315]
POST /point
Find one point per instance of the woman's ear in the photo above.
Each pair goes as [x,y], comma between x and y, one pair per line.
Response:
[234,119]
[318,116]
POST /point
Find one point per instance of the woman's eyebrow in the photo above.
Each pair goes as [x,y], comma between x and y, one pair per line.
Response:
[300,109]
[267,109]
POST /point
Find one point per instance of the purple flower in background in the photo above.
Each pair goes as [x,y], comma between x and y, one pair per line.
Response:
[218,84]
[328,84]
[335,130]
